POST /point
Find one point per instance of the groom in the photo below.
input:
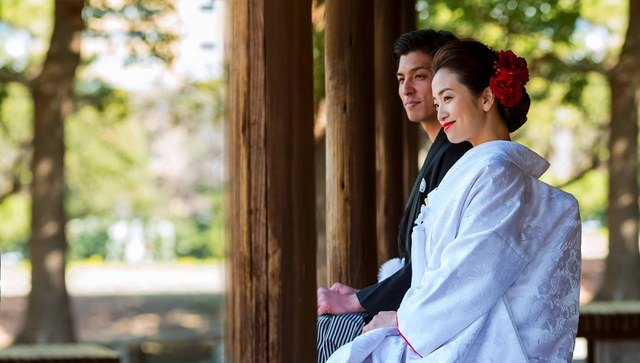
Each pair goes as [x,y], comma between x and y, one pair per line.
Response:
[343,310]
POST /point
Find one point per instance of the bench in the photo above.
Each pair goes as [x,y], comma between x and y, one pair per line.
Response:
[59,353]
[612,330]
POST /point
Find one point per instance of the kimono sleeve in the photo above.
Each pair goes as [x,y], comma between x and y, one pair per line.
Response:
[387,294]
[467,276]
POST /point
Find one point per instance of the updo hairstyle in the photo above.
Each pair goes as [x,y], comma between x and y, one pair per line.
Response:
[473,63]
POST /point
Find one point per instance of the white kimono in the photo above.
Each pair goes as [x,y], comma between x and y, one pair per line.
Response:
[496,269]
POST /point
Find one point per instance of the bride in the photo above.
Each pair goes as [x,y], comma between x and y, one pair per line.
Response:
[496,277]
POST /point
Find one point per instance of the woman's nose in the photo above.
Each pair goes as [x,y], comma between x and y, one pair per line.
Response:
[442,114]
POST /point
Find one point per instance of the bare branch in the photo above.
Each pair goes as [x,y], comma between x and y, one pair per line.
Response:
[7,75]
[584,66]
[595,163]
[15,187]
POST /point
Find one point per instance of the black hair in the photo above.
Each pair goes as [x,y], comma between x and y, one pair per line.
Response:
[424,40]
[472,62]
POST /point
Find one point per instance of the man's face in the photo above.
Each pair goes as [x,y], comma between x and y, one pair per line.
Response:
[414,86]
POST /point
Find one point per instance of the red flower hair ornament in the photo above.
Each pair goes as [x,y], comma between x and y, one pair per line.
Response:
[509,77]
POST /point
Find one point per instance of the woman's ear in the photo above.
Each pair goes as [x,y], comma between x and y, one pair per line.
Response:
[488,98]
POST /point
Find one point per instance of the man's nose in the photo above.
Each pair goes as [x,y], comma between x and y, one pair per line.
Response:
[406,88]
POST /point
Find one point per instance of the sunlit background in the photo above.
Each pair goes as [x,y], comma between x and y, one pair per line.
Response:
[145,163]
[144,172]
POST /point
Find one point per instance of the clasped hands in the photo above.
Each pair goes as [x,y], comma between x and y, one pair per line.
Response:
[342,299]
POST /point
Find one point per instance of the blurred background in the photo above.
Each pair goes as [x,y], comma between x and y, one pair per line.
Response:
[143,171]
[134,183]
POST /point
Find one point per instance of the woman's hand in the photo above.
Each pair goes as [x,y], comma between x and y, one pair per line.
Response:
[384,319]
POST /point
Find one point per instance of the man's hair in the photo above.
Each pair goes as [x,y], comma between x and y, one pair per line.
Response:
[427,41]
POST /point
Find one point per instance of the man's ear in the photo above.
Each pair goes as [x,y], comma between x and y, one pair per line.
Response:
[488,98]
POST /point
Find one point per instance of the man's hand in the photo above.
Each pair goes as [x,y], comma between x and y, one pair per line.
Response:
[343,289]
[384,319]
[340,299]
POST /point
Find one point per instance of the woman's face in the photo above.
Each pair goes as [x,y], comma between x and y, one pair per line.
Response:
[459,111]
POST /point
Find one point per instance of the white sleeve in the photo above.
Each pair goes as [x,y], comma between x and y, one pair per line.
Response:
[475,269]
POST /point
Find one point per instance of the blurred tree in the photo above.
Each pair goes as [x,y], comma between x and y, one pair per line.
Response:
[51,82]
[570,50]
[48,315]
[622,275]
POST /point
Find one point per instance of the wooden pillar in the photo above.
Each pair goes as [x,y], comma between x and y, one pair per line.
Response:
[351,216]
[410,131]
[271,295]
[389,126]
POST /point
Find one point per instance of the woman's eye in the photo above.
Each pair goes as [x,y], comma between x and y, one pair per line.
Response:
[420,76]
[400,80]
[435,105]
[447,98]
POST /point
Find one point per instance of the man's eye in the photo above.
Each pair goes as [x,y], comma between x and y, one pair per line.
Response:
[420,76]
[400,80]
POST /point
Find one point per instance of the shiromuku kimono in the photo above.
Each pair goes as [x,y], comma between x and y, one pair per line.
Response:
[496,268]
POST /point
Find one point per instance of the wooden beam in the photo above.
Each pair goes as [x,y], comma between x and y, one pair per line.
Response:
[271,295]
[351,231]
[389,140]
[410,130]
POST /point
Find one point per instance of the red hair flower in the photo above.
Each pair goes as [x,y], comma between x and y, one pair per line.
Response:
[509,77]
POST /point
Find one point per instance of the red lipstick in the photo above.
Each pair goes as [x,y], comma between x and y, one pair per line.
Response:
[447,124]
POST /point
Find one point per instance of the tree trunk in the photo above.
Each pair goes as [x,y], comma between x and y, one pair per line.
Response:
[389,145]
[622,274]
[351,208]
[271,301]
[48,315]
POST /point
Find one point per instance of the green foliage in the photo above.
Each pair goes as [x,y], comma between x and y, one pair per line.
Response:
[87,239]
[107,175]
[203,236]
[148,34]
[17,106]
[34,16]
[199,103]
[109,141]
[217,88]
[112,179]
[15,135]
[592,195]
[26,19]
[496,21]
[14,229]
[569,48]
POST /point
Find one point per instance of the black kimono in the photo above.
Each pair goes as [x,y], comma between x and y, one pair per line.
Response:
[336,330]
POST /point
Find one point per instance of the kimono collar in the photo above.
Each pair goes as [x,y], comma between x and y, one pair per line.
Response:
[528,161]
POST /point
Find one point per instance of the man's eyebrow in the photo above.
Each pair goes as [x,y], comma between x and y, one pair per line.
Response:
[414,69]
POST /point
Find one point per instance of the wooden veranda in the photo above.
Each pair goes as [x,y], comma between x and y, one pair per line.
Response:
[371,153]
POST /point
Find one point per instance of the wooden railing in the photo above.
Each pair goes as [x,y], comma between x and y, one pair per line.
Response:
[59,353]
[612,330]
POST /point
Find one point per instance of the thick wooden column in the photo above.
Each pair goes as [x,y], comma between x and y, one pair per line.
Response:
[271,293]
[389,125]
[351,211]
[410,131]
